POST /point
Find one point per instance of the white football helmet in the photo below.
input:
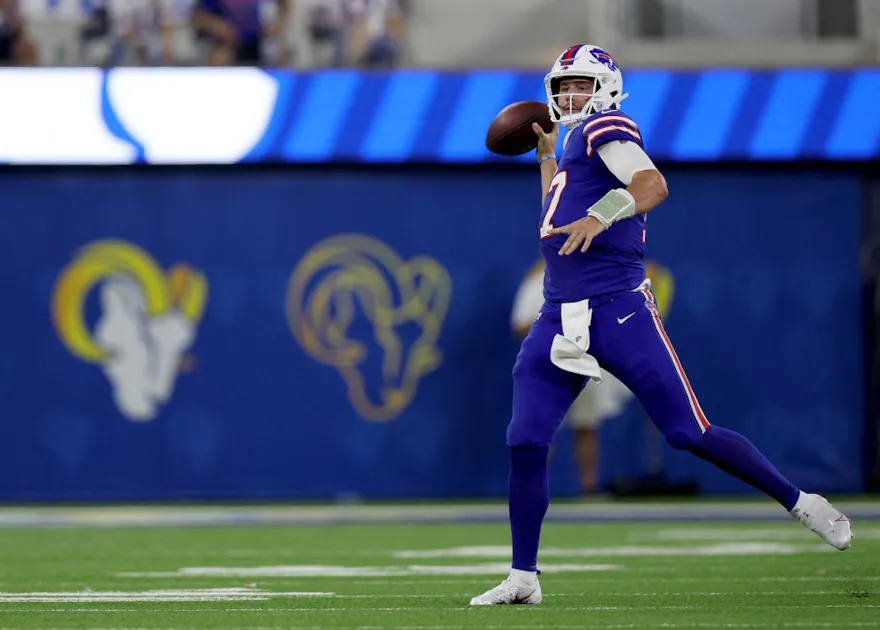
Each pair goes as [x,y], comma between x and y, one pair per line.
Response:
[592,63]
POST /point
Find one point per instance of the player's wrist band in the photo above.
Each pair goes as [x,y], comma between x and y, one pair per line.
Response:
[616,205]
[544,158]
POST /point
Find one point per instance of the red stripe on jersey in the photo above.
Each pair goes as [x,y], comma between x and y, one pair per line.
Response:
[699,416]
[632,133]
[614,118]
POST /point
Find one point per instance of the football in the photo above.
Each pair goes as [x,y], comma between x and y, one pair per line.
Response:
[511,131]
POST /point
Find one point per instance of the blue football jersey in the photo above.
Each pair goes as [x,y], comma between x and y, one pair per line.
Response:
[614,261]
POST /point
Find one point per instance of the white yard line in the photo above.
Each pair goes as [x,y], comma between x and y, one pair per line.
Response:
[241,594]
[533,610]
[174,595]
[852,624]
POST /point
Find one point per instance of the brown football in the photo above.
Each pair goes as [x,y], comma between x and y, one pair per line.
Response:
[511,132]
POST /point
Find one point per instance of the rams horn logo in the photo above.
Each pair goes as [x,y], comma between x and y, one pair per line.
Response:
[662,286]
[348,280]
[148,320]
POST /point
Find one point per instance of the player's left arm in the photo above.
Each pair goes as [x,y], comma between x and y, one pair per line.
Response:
[645,189]
[629,163]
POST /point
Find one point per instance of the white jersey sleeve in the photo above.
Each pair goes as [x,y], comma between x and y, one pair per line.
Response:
[625,159]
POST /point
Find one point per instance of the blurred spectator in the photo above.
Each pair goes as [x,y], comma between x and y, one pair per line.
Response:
[365,33]
[238,33]
[16,46]
[142,32]
[326,30]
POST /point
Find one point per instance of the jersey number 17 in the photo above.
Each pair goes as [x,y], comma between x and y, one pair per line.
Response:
[557,185]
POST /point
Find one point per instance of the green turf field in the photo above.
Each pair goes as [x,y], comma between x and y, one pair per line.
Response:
[668,574]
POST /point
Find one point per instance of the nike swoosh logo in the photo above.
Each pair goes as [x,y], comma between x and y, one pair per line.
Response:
[620,320]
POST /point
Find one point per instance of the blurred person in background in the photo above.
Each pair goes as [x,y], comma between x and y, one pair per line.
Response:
[16,46]
[375,32]
[142,32]
[365,33]
[326,27]
[239,34]
[597,402]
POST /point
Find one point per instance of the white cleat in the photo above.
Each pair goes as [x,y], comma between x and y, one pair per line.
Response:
[827,521]
[511,591]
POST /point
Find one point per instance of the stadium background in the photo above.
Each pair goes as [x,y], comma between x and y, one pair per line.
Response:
[255,369]
[770,234]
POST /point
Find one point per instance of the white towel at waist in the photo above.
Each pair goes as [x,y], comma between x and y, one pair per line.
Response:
[569,350]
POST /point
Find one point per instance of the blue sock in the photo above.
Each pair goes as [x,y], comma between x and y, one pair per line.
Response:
[737,456]
[528,489]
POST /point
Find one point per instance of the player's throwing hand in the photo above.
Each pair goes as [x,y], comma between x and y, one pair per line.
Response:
[546,141]
[580,233]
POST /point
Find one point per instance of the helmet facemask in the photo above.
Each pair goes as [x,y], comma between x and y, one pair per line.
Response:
[561,106]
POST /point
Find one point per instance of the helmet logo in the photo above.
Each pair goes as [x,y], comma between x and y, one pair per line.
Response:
[568,56]
[604,58]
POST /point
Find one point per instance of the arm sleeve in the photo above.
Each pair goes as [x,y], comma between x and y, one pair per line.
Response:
[625,159]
